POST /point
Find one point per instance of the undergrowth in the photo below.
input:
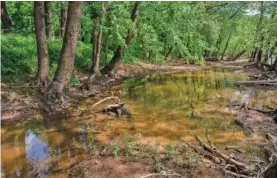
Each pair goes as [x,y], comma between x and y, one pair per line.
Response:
[19,56]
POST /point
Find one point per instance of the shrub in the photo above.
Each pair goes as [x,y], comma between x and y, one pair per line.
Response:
[19,55]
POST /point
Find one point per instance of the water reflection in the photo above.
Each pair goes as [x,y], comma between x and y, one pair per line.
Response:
[36,153]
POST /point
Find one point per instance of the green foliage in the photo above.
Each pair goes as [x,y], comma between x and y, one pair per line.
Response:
[170,150]
[189,31]
[115,148]
[22,16]
[157,158]
[19,55]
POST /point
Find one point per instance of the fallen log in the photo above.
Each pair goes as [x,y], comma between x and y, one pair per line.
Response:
[236,148]
[115,110]
[206,154]
[271,112]
[222,155]
[257,82]
[106,99]
[242,125]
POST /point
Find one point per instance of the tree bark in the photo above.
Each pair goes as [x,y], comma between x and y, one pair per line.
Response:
[63,19]
[257,36]
[42,51]
[226,46]
[48,20]
[67,55]
[5,19]
[168,53]
[237,56]
[114,64]
[274,66]
[97,42]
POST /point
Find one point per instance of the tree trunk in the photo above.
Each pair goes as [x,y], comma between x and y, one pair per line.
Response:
[42,51]
[97,42]
[114,64]
[258,29]
[260,52]
[253,55]
[66,62]
[275,65]
[134,18]
[168,53]
[226,46]
[63,19]
[218,43]
[238,55]
[48,20]
[94,44]
[5,19]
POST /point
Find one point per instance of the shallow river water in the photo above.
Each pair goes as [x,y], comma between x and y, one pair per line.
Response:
[168,108]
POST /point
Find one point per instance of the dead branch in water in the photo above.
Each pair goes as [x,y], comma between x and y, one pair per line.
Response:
[106,99]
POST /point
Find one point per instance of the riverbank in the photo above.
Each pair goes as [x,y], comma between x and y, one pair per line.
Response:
[21,98]
[123,155]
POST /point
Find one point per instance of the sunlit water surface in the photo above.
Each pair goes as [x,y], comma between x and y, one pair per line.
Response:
[168,108]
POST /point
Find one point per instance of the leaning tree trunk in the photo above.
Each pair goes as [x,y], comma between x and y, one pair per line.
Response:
[55,94]
[42,51]
[226,46]
[5,19]
[114,64]
[257,35]
[260,52]
[48,20]
[63,19]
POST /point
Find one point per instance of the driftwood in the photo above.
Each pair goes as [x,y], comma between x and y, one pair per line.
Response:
[115,110]
[228,165]
[106,99]
[221,155]
[235,168]
[242,125]
[236,148]
[258,82]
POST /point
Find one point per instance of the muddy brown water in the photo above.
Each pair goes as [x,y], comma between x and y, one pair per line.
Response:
[168,108]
